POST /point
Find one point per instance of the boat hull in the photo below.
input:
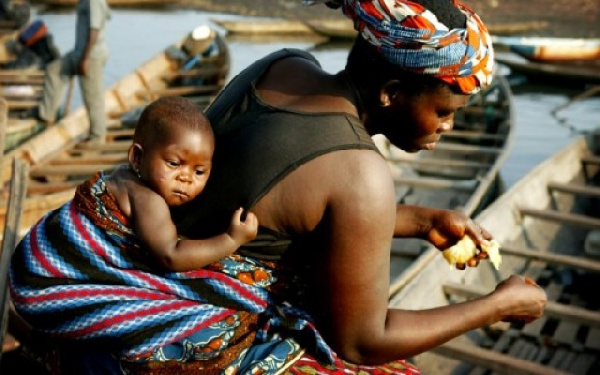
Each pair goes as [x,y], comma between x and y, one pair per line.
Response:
[541,223]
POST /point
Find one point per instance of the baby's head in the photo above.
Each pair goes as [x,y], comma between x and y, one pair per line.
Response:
[172,149]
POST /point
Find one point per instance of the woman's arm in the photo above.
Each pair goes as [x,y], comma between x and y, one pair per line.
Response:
[354,275]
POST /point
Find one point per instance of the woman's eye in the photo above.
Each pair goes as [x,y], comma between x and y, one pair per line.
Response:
[445,114]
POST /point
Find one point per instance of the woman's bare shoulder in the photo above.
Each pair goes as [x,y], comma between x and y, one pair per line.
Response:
[294,74]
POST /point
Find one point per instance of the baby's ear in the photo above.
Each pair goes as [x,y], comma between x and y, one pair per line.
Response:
[134,156]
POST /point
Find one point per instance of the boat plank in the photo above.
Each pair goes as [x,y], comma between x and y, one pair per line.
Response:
[583,363]
[495,361]
[563,260]
[579,189]
[36,187]
[562,217]
[92,158]
[592,341]
[440,162]
[436,183]
[534,329]
[151,95]
[71,170]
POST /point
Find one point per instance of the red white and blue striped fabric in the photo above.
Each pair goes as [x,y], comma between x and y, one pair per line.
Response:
[74,279]
[411,37]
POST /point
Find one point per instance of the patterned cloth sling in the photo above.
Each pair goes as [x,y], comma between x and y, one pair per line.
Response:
[80,275]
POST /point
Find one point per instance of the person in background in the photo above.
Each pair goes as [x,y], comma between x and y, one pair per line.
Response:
[294,146]
[86,60]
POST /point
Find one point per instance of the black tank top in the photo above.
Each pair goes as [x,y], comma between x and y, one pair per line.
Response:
[257,145]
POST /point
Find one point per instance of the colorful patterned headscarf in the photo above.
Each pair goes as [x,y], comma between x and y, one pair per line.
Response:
[411,37]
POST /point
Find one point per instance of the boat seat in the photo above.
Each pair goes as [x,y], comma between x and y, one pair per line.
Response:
[589,160]
[35,187]
[151,95]
[440,162]
[579,189]
[558,259]
[22,104]
[468,149]
[71,170]
[90,158]
[493,360]
[196,73]
[562,217]
[107,147]
[473,135]
[436,183]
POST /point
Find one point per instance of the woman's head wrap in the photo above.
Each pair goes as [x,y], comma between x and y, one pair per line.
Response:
[411,37]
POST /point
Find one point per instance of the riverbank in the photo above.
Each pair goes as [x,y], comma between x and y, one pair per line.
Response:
[564,18]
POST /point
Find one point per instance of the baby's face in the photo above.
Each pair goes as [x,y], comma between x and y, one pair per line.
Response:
[178,167]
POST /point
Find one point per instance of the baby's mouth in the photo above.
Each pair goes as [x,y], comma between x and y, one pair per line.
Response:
[181,194]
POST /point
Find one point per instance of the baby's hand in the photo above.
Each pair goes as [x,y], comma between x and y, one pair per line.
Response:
[243,231]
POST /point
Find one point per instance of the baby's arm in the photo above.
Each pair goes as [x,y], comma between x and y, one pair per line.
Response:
[157,232]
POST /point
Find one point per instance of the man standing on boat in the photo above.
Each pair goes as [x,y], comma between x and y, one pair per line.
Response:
[86,60]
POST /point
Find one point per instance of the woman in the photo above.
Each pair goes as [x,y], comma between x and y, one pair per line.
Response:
[294,145]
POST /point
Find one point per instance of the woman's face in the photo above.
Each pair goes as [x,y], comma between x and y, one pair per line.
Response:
[416,122]
[178,167]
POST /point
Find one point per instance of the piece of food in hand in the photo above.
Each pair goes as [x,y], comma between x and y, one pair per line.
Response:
[466,249]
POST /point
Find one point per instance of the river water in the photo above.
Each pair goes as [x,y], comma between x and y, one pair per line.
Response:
[134,36]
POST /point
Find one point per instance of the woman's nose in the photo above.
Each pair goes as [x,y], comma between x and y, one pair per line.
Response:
[447,124]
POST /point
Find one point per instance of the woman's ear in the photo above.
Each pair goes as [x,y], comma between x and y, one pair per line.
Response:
[134,156]
[390,92]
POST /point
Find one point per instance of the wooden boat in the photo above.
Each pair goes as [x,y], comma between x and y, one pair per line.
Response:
[582,72]
[112,3]
[463,170]
[263,26]
[60,159]
[551,49]
[22,89]
[341,28]
[548,225]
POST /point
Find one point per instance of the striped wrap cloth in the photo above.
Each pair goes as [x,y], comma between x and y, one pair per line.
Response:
[80,275]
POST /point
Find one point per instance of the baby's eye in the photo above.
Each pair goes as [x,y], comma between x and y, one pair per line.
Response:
[199,172]
[172,163]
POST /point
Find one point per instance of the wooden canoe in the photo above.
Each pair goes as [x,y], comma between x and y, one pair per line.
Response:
[58,156]
[548,225]
[571,72]
[463,171]
[341,28]
[551,49]
[22,88]
[112,3]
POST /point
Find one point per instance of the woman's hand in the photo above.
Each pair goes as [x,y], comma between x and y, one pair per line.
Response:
[520,299]
[447,227]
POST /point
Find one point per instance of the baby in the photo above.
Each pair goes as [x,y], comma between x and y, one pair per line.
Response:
[169,164]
